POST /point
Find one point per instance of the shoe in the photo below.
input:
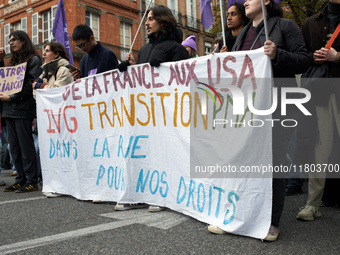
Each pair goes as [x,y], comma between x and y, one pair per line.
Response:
[272,235]
[155,208]
[216,230]
[124,207]
[12,188]
[308,213]
[27,188]
[291,191]
[2,183]
[14,174]
[52,194]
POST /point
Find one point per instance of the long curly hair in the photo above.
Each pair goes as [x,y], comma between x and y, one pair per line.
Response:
[163,15]
[26,53]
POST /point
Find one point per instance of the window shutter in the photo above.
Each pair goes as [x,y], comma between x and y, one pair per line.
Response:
[35,28]
[7,32]
[24,24]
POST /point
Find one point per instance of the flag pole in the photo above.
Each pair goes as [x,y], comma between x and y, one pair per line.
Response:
[222,21]
[264,12]
[141,22]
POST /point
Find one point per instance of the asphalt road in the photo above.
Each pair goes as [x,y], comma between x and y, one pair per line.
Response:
[30,223]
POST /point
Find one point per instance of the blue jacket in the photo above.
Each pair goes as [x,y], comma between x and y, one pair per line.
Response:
[100,58]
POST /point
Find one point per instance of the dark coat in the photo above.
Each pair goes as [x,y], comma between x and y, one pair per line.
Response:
[314,31]
[22,104]
[229,41]
[100,58]
[163,48]
[291,54]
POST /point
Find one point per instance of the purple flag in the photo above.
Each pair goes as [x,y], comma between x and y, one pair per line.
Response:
[206,14]
[231,2]
[60,31]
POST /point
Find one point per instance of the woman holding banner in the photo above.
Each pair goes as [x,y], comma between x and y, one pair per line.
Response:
[55,74]
[288,54]
[19,110]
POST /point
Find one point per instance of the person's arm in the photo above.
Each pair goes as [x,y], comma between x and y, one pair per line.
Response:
[293,59]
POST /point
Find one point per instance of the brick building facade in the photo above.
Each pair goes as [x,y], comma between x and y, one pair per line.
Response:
[188,16]
[114,22]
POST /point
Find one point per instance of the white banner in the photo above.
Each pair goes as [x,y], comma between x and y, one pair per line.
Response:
[127,137]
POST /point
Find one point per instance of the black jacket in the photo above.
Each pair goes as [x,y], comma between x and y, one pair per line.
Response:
[229,41]
[100,58]
[22,104]
[291,54]
[163,48]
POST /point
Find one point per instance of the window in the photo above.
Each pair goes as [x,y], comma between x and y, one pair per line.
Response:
[47,23]
[207,47]
[35,29]
[17,26]
[173,4]
[125,38]
[22,25]
[92,20]
[191,14]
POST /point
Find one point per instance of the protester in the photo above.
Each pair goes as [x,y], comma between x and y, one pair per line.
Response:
[164,45]
[236,20]
[98,59]
[164,40]
[289,57]
[190,45]
[55,74]
[19,110]
[216,43]
[2,183]
[317,30]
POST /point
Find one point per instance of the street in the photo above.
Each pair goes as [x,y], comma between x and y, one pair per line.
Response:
[30,223]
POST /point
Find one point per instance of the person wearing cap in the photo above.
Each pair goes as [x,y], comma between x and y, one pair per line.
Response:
[190,45]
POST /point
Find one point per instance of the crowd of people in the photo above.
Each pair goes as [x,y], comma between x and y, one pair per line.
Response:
[292,51]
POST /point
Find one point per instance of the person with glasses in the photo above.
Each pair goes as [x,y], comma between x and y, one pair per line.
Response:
[98,59]
[19,110]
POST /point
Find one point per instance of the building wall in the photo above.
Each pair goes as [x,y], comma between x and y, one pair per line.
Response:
[111,14]
[190,24]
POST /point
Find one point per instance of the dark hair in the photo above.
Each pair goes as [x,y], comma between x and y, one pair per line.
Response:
[163,15]
[274,9]
[57,47]
[26,53]
[81,32]
[241,9]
